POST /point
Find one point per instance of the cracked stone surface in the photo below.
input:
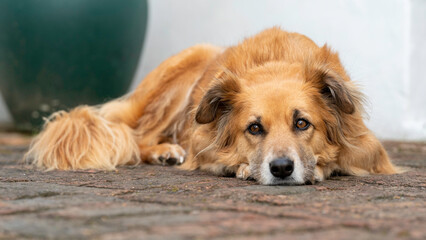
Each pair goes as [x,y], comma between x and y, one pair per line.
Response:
[158,202]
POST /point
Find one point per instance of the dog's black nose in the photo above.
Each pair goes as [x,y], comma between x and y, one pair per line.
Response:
[281,167]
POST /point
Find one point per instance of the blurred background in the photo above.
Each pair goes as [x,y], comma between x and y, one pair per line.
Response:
[382,44]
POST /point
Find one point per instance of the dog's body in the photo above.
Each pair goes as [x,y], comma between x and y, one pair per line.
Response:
[276,108]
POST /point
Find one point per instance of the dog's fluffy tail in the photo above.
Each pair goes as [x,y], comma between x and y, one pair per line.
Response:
[84,138]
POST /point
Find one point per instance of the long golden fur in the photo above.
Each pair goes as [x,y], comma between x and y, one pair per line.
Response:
[276,108]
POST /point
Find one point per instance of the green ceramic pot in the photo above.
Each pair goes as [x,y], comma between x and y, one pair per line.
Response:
[56,54]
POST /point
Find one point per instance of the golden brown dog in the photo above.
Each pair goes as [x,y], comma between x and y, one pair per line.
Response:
[276,108]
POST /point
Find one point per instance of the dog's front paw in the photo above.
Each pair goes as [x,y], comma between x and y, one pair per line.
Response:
[165,154]
[318,174]
[243,172]
[171,154]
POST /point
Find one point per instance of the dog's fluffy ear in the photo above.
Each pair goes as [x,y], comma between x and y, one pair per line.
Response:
[217,100]
[341,98]
[339,94]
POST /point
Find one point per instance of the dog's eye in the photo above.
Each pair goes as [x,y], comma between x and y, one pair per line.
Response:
[302,124]
[255,129]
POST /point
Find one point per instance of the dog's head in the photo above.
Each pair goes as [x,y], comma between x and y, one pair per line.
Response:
[282,119]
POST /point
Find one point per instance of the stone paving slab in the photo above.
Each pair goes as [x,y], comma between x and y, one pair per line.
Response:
[156,202]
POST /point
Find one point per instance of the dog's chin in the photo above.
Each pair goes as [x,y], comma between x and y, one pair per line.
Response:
[285,182]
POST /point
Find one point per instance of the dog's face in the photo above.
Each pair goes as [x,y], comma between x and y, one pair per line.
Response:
[278,128]
[277,119]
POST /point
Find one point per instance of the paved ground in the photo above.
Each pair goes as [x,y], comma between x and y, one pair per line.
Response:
[155,202]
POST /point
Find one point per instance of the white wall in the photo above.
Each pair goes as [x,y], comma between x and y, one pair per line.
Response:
[5,117]
[382,43]
[415,117]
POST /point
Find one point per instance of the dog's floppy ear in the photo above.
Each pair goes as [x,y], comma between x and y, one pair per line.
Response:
[217,100]
[338,93]
[341,97]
